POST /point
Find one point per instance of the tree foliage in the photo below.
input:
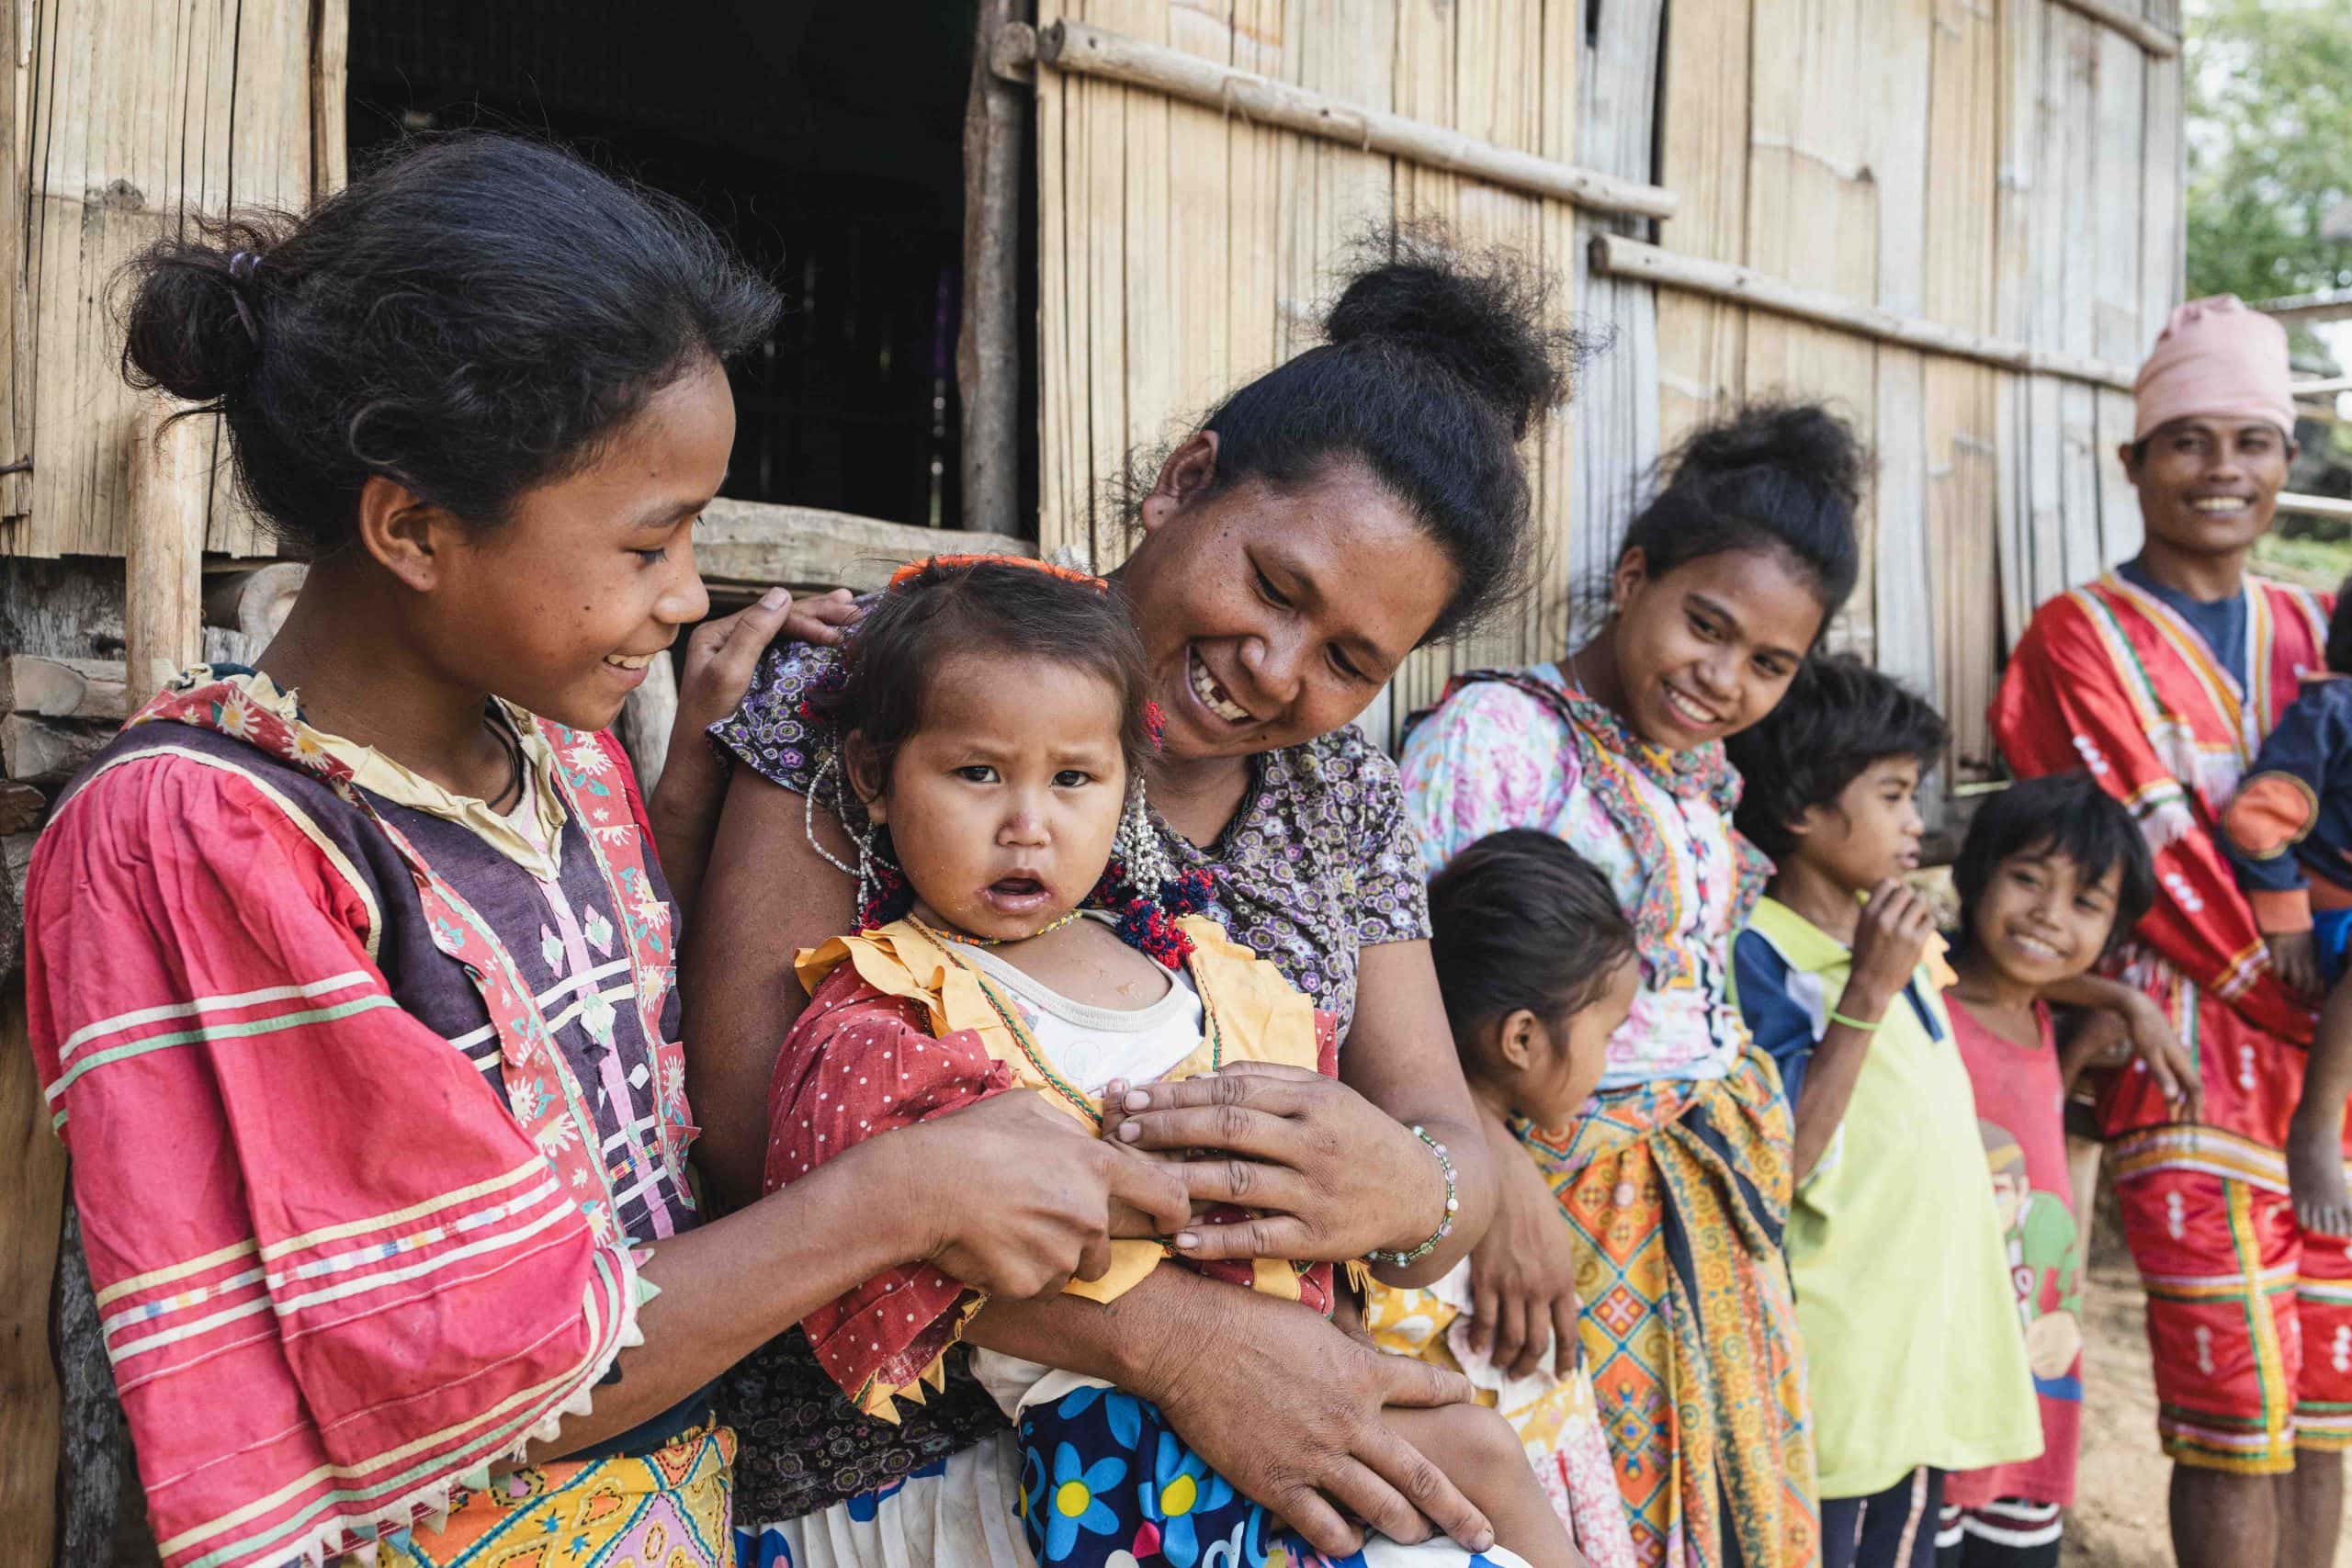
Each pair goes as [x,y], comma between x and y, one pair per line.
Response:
[2269,86]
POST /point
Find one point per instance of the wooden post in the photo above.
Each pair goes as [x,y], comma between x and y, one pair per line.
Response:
[33,1163]
[647,718]
[988,342]
[163,605]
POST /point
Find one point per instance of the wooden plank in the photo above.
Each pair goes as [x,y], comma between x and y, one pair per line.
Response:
[48,749]
[1061,382]
[132,115]
[1617,435]
[759,543]
[32,1172]
[16,315]
[988,339]
[1901,41]
[1961,396]
[1074,47]
[2128,24]
[1703,340]
[1845,314]
[61,688]
[163,601]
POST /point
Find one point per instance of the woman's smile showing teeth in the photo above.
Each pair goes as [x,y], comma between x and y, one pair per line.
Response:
[1689,712]
[1213,696]
[630,661]
[2219,505]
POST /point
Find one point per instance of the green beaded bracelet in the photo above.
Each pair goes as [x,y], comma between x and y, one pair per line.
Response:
[1444,1225]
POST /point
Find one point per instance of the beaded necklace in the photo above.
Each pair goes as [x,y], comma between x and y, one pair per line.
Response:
[1077,1097]
[970,941]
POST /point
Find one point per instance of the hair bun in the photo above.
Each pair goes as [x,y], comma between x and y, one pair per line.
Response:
[1803,444]
[1480,315]
[193,326]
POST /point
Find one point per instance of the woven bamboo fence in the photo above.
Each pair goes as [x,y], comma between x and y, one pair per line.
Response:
[1957,220]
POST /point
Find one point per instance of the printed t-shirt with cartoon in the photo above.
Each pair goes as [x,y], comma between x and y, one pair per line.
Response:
[2021,1110]
[1900,1269]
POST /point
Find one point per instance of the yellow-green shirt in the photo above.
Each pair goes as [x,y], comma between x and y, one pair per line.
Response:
[1912,1345]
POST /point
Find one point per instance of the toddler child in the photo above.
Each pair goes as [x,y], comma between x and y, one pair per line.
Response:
[2054,870]
[2289,835]
[1537,966]
[1020,931]
[1917,1366]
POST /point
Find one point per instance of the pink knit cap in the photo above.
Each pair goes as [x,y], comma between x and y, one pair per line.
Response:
[2218,360]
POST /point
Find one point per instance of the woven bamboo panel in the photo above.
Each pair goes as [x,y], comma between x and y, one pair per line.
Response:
[133,114]
[2037,197]
[1183,251]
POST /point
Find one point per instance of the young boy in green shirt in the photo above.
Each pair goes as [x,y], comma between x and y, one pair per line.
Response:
[1915,1363]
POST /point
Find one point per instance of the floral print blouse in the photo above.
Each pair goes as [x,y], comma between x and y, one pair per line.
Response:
[1493,757]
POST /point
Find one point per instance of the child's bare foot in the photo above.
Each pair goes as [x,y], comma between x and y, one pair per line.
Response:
[2315,1174]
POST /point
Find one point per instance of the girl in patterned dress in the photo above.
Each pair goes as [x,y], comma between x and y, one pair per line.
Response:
[995,726]
[1676,1181]
[351,977]
[1537,965]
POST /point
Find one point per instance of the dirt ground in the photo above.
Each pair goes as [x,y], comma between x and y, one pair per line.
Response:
[2119,1516]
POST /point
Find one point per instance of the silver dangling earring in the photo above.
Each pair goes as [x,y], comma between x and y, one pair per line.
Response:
[869,883]
[1137,845]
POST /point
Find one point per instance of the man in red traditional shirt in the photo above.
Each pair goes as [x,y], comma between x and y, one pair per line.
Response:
[2162,679]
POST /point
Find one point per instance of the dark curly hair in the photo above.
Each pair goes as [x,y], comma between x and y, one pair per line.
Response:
[1437,363]
[1519,919]
[1839,717]
[2066,815]
[1785,478]
[469,318]
[993,606]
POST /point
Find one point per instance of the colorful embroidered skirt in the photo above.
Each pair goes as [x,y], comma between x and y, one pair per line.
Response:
[667,1509]
[1678,1192]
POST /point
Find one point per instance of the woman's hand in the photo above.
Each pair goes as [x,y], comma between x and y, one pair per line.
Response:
[1523,1271]
[723,655]
[1288,1408]
[1017,1198]
[1333,1176]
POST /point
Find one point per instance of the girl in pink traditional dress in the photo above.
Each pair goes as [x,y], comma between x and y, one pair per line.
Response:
[1676,1183]
[351,977]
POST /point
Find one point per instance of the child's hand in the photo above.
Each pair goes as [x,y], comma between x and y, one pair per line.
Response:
[1889,942]
[1523,1272]
[2159,1049]
[1020,1199]
[2294,958]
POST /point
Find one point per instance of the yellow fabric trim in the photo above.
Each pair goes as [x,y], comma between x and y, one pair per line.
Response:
[1260,1017]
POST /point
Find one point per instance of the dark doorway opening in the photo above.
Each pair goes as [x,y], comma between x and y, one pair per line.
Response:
[825,139]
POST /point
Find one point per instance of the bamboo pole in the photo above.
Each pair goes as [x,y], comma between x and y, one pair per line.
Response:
[987,342]
[2138,28]
[162,607]
[1727,280]
[2327,305]
[2327,388]
[2326,506]
[1079,50]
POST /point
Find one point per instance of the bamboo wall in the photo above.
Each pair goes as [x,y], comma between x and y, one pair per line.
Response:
[2010,168]
[125,115]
